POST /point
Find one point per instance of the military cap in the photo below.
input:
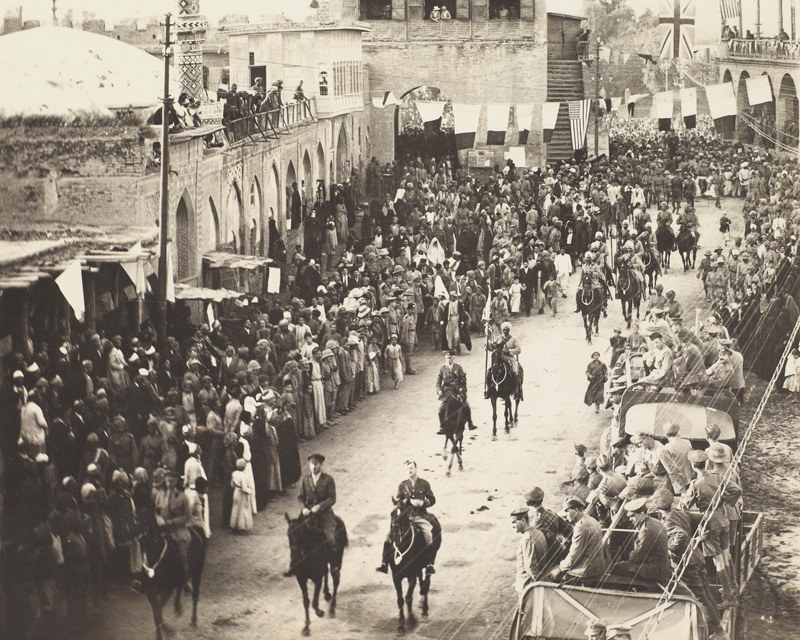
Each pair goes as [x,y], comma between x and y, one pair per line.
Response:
[519,513]
[672,429]
[661,499]
[574,502]
[697,456]
[580,449]
[712,431]
[316,457]
[636,505]
[534,495]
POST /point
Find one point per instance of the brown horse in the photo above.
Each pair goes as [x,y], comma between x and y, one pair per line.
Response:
[591,302]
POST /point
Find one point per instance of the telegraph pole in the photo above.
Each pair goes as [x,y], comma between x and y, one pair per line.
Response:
[597,98]
[166,106]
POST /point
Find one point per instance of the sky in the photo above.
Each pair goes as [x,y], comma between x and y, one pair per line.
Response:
[708,20]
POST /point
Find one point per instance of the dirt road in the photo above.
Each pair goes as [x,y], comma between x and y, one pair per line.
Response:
[472,597]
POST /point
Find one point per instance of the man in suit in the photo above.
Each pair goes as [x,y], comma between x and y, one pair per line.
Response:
[452,380]
[585,560]
[318,495]
[649,558]
[417,493]
[229,366]
[526,280]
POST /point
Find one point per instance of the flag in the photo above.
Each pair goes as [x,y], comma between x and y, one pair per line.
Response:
[759,90]
[689,107]
[722,104]
[385,100]
[646,57]
[579,121]
[170,272]
[549,119]
[624,57]
[70,282]
[729,9]
[605,53]
[496,123]
[524,117]
[676,24]
[466,118]
[662,106]
[487,312]
[430,111]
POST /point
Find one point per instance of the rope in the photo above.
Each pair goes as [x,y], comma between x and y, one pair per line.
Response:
[731,472]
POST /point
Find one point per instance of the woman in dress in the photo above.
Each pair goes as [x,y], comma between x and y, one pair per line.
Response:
[791,380]
[241,513]
[394,360]
[515,291]
[597,374]
[288,453]
[373,372]
[117,373]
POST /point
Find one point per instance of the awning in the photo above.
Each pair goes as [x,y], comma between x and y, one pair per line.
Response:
[187,292]
[224,260]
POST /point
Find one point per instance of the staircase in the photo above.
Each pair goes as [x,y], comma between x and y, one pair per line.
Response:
[564,83]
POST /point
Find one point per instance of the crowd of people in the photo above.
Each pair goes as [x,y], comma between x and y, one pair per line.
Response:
[101,432]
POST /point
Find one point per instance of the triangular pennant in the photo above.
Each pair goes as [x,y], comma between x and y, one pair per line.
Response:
[70,283]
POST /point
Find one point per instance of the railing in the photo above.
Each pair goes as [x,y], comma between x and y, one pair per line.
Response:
[771,48]
[269,124]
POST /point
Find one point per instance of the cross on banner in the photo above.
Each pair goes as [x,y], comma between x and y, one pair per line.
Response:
[676,23]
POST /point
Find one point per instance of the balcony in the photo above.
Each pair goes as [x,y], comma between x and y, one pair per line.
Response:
[268,125]
[771,49]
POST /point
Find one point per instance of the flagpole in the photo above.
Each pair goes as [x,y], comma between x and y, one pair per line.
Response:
[597,101]
[486,350]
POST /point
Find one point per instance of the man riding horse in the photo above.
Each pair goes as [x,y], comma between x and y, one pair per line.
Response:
[416,493]
[452,381]
[510,348]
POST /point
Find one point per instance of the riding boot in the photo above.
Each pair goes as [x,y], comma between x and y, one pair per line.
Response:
[472,427]
[386,558]
[430,559]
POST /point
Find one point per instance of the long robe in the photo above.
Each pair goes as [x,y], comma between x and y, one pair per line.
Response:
[288,452]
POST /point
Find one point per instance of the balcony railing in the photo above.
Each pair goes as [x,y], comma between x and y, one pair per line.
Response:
[269,124]
[770,48]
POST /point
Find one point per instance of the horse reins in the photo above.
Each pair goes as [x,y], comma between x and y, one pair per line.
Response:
[496,382]
[151,571]
[399,555]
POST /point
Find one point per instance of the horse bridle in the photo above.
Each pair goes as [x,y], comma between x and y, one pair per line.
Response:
[399,555]
[497,382]
[151,571]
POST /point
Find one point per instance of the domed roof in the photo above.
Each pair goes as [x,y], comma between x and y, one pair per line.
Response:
[60,71]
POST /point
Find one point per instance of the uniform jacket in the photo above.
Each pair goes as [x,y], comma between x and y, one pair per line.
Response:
[420,490]
[450,379]
[585,558]
[675,459]
[651,551]
[324,494]
[531,558]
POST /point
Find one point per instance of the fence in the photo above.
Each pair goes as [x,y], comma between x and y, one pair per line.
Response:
[269,124]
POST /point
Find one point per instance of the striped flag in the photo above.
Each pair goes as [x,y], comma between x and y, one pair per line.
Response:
[579,121]
[729,9]
[676,24]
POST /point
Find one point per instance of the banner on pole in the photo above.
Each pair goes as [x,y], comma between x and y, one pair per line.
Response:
[579,121]
[496,123]
[465,117]
[676,25]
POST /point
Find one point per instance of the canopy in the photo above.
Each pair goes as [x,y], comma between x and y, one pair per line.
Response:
[651,418]
[186,292]
[224,260]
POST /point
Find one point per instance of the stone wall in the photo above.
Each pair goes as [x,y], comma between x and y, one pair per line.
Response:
[73,175]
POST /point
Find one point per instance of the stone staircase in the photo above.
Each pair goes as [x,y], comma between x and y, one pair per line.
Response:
[564,82]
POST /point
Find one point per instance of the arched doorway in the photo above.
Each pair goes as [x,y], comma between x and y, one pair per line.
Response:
[291,178]
[212,227]
[320,168]
[274,201]
[234,216]
[184,246]
[342,156]
[307,179]
[257,215]
[743,132]
[727,76]
[788,112]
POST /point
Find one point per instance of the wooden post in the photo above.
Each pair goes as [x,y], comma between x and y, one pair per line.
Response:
[164,202]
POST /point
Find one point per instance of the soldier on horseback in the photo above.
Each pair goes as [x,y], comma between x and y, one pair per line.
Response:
[689,219]
[416,493]
[509,346]
[452,381]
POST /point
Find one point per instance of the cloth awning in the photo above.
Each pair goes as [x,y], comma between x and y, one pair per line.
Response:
[187,292]
[224,260]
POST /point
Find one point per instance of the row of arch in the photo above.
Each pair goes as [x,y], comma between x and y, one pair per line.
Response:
[783,110]
[247,214]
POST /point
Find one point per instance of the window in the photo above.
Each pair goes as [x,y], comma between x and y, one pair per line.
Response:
[503,9]
[323,83]
[437,10]
[375,9]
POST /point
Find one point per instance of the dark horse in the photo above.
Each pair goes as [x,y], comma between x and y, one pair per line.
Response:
[590,303]
[408,560]
[687,247]
[162,573]
[452,422]
[502,382]
[629,291]
[311,557]
[652,268]
[665,243]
